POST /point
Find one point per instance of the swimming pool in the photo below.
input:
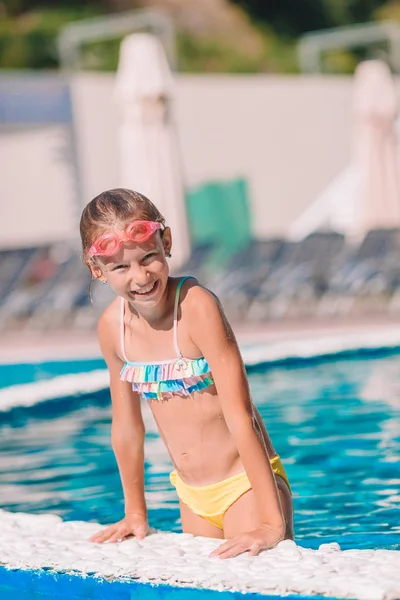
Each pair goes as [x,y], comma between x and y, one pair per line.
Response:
[341,451]
[335,423]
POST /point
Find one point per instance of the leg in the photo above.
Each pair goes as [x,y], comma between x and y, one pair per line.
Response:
[243,514]
[196,525]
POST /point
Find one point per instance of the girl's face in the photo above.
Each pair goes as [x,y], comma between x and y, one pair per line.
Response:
[139,271]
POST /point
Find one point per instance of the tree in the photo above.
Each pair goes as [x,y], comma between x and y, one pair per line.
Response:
[294,17]
[18,7]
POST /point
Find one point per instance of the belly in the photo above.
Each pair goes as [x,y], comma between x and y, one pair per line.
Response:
[197,438]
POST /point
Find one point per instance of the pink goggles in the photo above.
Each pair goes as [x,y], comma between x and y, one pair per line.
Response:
[137,231]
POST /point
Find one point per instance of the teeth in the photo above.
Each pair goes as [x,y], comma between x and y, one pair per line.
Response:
[146,289]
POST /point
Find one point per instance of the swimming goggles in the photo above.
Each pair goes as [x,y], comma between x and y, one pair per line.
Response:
[110,243]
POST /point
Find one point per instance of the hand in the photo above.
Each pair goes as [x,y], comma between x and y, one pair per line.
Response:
[132,524]
[253,542]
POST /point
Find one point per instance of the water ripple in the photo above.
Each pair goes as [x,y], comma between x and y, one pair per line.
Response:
[337,433]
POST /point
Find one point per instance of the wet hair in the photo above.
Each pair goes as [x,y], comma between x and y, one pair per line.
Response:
[113,209]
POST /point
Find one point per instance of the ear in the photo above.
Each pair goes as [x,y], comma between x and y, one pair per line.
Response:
[167,240]
[97,273]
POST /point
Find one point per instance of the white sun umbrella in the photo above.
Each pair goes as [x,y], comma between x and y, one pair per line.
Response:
[149,158]
[366,195]
[375,147]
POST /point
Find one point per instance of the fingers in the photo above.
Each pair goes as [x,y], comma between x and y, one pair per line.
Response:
[230,549]
[141,531]
[233,551]
[102,536]
[238,545]
[120,531]
[254,550]
[111,534]
[119,535]
[218,551]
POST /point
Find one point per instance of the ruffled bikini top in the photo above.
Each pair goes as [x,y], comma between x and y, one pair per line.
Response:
[166,378]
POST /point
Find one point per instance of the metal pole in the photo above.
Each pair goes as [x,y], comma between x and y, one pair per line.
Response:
[75,34]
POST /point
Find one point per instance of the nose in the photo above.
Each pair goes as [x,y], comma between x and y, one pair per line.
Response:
[139,276]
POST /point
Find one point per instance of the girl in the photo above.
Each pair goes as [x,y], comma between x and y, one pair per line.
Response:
[166,339]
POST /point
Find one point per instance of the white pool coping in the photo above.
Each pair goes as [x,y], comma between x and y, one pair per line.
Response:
[322,345]
[32,542]
[45,541]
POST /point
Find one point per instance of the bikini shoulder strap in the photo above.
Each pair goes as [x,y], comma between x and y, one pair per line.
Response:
[122,330]
[176,306]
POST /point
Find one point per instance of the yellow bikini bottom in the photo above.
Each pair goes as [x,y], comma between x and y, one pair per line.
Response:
[212,501]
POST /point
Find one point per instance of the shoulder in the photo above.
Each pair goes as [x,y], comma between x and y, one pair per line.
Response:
[111,315]
[196,297]
[202,306]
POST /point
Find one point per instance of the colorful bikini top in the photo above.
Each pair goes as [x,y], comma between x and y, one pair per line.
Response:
[166,378]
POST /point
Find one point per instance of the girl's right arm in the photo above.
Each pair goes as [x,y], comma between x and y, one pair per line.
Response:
[127,436]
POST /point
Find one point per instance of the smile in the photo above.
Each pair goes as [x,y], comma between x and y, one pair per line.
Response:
[146,290]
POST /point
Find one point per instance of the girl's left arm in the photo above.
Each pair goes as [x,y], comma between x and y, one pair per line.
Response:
[212,334]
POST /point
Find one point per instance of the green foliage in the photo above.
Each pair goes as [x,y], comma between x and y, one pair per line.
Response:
[18,7]
[390,11]
[101,56]
[29,41]
[219,55]
[339,61]
[214,56]
[29,29]
[294,17]
[34,50]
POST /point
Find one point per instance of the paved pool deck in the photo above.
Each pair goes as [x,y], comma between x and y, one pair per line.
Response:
[20,346]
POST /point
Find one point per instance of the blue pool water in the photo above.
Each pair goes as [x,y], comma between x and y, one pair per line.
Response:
[12,374]
[335,423]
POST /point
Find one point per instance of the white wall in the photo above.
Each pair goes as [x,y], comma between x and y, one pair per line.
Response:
[95,124]
[37,197]
[289,136]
